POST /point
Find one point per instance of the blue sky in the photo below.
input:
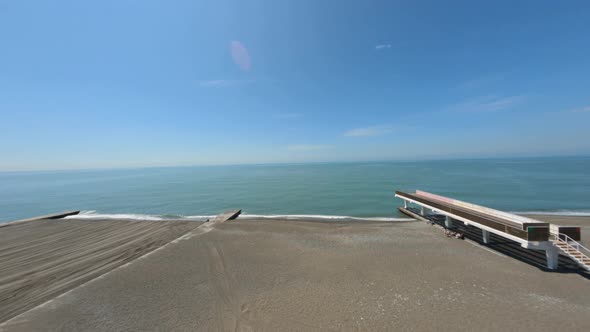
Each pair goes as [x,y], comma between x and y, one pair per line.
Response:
[92,84]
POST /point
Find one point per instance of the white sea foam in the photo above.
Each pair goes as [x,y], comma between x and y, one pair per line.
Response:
[95,216]
[318,216]
[132,216]
[85,215]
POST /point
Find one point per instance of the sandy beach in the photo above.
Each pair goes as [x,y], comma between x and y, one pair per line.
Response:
[253,275]
[43,258]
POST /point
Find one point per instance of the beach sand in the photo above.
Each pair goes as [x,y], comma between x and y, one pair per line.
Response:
[257,275]
[41,259]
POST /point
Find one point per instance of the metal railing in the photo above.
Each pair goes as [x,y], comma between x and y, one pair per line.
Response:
[570,243]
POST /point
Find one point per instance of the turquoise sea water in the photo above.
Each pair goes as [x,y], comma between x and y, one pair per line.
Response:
[557,185]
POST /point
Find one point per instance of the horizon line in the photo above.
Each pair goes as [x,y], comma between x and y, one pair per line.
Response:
[450,158]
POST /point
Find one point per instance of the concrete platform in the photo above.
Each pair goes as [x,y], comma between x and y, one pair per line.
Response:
[59,215]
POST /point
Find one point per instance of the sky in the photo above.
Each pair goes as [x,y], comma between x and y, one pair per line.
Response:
[102,84]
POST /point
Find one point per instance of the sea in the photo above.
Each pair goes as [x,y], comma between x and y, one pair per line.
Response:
[364,190]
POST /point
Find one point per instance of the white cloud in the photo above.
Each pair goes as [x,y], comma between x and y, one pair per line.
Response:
[486,104]
[223,83]
[308,147]
[382,46]
[368,131]
[239,54]
[581,110]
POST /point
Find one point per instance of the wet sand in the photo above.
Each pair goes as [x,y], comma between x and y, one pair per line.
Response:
[257,275]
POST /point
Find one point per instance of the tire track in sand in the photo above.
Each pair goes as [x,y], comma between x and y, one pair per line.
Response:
[230,315]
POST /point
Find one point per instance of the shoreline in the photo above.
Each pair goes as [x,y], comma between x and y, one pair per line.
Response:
[578,219]
[398,216]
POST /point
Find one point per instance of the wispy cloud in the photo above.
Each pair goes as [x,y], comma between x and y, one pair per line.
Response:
[581,110]
[368,131]
[486,104]
[308,147]
[223,83]
[382,46]
[239,54]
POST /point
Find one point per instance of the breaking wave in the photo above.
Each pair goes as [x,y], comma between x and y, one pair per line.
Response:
[135,216]
[318,216]
[132,216]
